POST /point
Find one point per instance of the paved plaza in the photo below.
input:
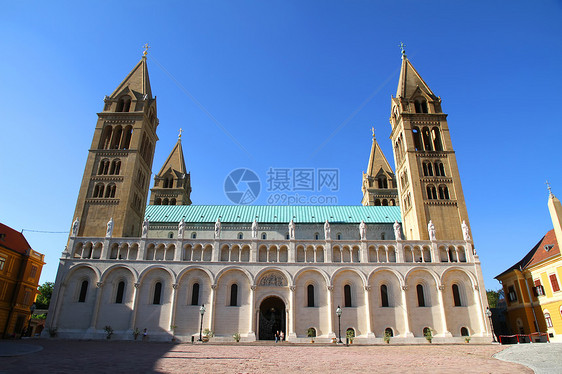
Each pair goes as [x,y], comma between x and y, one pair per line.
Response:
[66,356]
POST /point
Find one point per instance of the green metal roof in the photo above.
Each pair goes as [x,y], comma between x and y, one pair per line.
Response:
[273,213]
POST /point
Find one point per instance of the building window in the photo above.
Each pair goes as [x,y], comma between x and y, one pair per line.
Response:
[2,263]
[338,236]
[263,236]
[83,292]
[310,295]
[170,235]
[157,293]
[193,235]
[554,283]
[120,293]
[347,295]
[547,319]
[316,236]
[538,290]
[287,236]
[240,236]
[384,296]
[464,331]
[33,272]
[388,332]
[511,294]
[234,295]
[195,294]
[421,297]
[456,295]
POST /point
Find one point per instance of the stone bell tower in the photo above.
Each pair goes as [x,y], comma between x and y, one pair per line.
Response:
[118,168]
[429,185]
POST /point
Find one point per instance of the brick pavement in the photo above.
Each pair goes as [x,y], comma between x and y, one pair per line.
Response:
[66,356]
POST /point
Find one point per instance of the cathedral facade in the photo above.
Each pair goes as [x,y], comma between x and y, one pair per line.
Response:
[402,265]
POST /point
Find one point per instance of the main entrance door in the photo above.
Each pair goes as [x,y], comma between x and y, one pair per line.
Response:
[272,318]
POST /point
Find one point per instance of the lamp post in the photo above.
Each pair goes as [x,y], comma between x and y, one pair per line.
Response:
[338,312]
[202,312]
[489,315]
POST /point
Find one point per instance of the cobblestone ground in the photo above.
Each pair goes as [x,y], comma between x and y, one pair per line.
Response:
[63,356]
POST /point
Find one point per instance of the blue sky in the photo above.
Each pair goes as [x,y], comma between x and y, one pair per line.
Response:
[297,84]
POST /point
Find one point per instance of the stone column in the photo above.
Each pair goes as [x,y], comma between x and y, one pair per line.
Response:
[442,309]
[104,255]
[94,319]
[254,251]
[292,334]
[135,306]
[328,253]
[434,252]
[212,308]
[173,306]
[408,333]
[399,251]
[142,250]
[370,334]
[364,258]
[292,251]
[178,254]
[251,333]
[331,333]
[480,309]
[216,251]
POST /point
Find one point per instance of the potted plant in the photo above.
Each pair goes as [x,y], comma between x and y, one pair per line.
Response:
[350,335]
[207,334]
[387,336]
[236,337]
[108,332]
[136,333]
[428,334]
[467,339]
[311,333]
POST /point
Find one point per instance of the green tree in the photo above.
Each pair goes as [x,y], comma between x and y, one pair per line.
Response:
[494,297]
[44,297]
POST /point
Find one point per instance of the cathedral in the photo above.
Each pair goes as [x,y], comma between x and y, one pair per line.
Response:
[401,266]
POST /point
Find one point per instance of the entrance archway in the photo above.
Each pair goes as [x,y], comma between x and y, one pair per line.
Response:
[272,318]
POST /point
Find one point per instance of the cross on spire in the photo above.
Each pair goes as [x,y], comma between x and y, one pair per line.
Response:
[179,136]
[402,45]
[373,131]
[145,52]
[549,189]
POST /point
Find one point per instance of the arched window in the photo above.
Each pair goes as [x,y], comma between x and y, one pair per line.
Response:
[456,295]
[157,293]
[105,137]
[158,201]
[417,139]
[168,182]
[240,236]
[443,192]
[127,138]
[104,167]
[115,167]
[431,192]
[464,331]
[195,294]
[116,137]
[427,139]
[424,165]
[377,202]
[110,191]
[347,295]
[83,292]
[388,332]
[120,293]
[437,145]
[547,319]
[439,165]
[170,235]
[384,296]
[421,297]
[287,236]
[263,236]
[316,236]
[165,201]
[384,202]
[338,236]
[392,202]
[98,190]
[173,201]
[310,295]
[383,236]
[429,169]
[382,182]
[193,235]
[234,295]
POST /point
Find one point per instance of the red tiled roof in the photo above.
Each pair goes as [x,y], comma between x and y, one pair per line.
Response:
[538,253]
[13,239]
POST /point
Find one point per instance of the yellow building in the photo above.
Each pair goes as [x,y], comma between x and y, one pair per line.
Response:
[532,286]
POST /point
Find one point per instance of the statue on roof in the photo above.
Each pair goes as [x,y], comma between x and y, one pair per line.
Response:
[327,230]
[291,229]
[363,230]
[255,229]
[431,230]
[465,232]
[218,228]
[181,228]
[109,231]
[145,228]
[75,226]
[397,231]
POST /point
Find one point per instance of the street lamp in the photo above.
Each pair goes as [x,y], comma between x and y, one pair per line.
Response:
[489,315]
[338,312]
[202,312]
